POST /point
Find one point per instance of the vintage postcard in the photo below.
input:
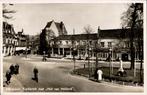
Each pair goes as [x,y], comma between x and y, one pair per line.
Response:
[73,47]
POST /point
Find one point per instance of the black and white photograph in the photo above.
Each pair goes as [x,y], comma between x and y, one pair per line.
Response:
[73,47]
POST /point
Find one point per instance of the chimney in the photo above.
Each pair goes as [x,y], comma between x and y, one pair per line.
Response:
[62,27]
[98,32]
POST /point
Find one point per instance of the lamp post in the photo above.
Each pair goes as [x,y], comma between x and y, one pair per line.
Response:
[110,63]
[135,63]
[74,60]
[112,59]
[89,67]
[26,52]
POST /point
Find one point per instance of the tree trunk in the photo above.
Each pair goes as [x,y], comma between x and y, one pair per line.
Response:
[141,59]
[132,50]
[132,58]
[96,60]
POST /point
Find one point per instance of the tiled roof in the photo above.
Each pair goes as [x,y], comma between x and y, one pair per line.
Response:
[7,27]
[78,37]
[58,25]
[104,34]
[114,33]
[8,30]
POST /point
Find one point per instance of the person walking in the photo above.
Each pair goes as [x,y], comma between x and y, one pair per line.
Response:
[12,69]
[35,71]
[44,56]
[8,77]
[16,69]
[95,74]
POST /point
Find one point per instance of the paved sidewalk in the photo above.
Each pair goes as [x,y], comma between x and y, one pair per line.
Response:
[15,85]
[14,82]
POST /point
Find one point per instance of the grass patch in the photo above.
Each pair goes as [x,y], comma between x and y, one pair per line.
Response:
[128,78]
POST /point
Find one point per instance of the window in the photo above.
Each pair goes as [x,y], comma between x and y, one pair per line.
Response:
[14,42]
[102,44]
[126,44]
[60,42]
[3,50]
[6,49]
[95,42]
[8,41]
[11,41]
[67,42]
[90,42]
[77,42]
[109,44]
[72,42]
[4,40]
[84,42]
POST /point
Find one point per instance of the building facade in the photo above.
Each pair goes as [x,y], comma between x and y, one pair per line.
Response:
[9,39]
[103,43]
[13,42]
[51,31]
[23,43]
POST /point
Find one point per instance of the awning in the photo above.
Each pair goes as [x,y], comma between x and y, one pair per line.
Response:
[20,48]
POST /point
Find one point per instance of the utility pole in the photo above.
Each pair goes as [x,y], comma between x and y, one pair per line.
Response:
[88,60]
[97,47]
[73,47]
[110,63]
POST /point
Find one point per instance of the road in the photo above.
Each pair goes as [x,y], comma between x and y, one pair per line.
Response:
[54,76]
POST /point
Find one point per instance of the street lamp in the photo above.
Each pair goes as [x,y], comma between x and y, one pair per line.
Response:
[135,63]
[74,50]
[26,52]
[112,59]
[89,70]
[110,64]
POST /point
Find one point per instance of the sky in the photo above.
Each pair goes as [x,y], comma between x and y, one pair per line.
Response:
[34,17]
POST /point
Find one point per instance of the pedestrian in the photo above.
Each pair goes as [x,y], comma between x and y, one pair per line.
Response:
[8,77]
[35,74]
[121,72]
[16,69]
[12,69]
[44,56]
[100,73]
[95,74]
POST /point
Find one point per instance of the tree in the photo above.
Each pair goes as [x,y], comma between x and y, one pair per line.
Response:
[88,30]
[133,19]
[45,40]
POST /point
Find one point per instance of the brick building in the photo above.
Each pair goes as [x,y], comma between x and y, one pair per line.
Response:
[9,39]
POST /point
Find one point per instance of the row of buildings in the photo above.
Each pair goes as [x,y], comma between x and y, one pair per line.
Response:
[55,41]
[116,41]
[12,41]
